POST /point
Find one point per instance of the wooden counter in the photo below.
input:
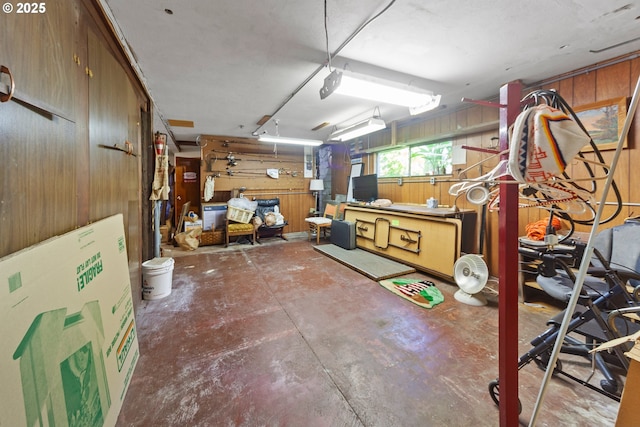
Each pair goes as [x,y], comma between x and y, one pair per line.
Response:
[428,239]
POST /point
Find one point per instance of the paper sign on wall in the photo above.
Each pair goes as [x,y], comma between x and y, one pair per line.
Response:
[190,177]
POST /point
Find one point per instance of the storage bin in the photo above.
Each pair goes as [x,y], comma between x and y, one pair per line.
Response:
[239,215]
[212,237]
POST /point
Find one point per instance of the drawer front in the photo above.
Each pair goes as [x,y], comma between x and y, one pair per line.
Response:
[430,244]
[365,228]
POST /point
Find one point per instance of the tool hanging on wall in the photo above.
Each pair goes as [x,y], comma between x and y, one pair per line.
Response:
[232,172]
[127,149]
[210,161]
[266,160]
[236,141]
[231,160]
[260,156]
[269,172]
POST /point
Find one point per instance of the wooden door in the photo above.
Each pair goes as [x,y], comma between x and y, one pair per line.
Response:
[38,184]
[115,177]
[187,185]
[38,48]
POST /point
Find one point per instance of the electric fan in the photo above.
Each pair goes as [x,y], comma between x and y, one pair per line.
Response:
[470,273]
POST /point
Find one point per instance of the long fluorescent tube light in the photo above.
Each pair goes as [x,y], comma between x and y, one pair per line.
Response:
[293,141]
[433,103]
[363,128]
[366,87]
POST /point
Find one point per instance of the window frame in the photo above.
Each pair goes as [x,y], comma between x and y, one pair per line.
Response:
[408,161]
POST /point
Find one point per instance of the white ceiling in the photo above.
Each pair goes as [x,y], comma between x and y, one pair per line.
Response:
[226,64]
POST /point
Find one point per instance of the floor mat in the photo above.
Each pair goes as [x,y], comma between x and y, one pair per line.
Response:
[371,265]
[418,291]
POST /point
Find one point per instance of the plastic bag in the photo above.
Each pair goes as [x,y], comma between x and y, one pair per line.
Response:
[243,203]
[189,240]
[209,187]
[381,203]
[272,219]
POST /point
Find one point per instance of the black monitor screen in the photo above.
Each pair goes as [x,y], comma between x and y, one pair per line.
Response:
[365,188]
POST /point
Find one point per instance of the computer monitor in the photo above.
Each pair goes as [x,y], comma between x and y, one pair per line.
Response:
[365,188]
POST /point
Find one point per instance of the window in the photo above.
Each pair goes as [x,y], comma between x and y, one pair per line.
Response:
[393,162]
[416,160]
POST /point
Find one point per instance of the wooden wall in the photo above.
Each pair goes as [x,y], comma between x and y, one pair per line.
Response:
[471,125]
[56,177]
[252,161]
[74,93]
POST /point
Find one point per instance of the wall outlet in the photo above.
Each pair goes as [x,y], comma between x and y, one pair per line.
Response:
[432,180]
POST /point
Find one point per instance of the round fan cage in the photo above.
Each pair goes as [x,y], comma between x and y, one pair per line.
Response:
[478,195]
[471,274]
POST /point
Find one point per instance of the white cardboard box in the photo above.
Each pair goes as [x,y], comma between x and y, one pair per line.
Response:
[213,215]
[190,225]
[69,343]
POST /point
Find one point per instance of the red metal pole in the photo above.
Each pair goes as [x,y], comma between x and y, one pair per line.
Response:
[510,95]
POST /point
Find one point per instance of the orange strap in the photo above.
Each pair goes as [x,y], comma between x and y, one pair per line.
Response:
[537,230]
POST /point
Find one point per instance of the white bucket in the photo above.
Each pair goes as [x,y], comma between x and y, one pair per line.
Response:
[157,276]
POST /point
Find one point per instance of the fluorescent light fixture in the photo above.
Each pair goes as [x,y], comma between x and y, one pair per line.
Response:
[294,141]
[433,103]
[362,128]
[378,90]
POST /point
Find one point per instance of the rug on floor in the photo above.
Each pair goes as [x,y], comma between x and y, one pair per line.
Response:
[420,292]
[371,265]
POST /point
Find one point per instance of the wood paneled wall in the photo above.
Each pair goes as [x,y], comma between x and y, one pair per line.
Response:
[597,83]
[252,161]
[74,92]
[600,82]
[55,177]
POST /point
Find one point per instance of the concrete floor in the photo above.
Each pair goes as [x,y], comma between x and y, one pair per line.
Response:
[280,335]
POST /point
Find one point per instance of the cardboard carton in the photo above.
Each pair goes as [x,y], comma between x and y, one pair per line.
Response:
[68,329]
[629,412]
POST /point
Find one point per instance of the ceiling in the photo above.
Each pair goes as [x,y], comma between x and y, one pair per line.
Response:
[224,65]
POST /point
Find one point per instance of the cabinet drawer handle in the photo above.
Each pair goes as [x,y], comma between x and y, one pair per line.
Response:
[12,85]
[407,239]
[363,228]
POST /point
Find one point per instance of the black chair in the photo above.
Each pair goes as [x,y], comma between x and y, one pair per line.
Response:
[266,206]
[611,289]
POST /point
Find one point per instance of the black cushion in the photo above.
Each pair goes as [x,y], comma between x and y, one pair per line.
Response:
[268,202]
[561,286]
[265,206]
